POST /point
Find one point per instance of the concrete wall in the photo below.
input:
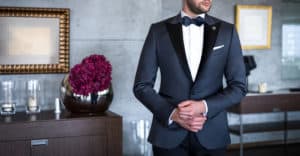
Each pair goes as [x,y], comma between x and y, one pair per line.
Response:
[117,29]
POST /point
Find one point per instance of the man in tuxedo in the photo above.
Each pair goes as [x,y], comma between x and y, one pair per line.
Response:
[193,52]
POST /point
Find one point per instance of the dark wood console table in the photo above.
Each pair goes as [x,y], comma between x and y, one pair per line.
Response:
[45,134]
[266,103]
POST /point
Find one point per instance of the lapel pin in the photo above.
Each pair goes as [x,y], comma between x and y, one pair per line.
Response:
[214,28]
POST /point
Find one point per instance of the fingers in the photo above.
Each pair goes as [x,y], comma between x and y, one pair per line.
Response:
[188,118]
[186,110]
[199,119]
[184,103]
[186,113]
[195,128]
[191,107]
[185,117]
[192,118]
[194,125]
[197,123]
[186,125]
[190,128]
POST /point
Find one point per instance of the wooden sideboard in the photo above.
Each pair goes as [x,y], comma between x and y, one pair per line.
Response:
[46,134]
[269,102]
[266,103]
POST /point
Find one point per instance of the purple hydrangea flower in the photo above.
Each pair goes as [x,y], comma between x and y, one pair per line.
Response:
[93,74]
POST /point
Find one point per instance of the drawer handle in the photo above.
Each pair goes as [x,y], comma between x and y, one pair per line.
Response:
[276,109]
[39,142]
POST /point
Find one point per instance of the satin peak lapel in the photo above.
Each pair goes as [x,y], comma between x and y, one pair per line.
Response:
[211,30]
[176,36]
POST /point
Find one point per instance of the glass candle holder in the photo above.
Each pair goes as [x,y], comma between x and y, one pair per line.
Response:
[33,98]
[262,87]
[8,105]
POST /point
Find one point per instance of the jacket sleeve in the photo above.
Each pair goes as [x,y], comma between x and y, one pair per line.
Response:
[145,79]
[235,78]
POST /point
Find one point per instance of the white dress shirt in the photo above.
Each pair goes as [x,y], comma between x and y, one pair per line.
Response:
[193,44]
[193,38]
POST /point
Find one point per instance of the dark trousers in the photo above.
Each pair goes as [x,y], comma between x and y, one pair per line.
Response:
[189,147]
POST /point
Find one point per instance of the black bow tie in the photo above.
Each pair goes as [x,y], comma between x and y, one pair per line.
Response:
[186,21]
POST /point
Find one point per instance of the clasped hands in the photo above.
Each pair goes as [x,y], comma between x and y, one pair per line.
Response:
[189,115]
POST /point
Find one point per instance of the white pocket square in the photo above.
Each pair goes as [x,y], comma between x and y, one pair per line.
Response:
[218,47]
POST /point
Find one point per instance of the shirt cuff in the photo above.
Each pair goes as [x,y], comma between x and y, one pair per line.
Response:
[206,108]
[170,120]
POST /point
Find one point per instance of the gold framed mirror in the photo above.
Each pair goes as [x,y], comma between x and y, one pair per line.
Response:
[34,40]
[254,25]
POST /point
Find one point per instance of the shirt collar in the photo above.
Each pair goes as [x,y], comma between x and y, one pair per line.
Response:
[184,14]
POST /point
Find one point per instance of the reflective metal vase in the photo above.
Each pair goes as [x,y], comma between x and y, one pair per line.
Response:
[93,103]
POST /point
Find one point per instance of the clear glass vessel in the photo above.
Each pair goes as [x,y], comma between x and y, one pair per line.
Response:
[8,103]
[33,97]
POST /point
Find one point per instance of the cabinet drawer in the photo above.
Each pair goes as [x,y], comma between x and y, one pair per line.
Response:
[9,148]
[53,129]
[72,146]
[68,135]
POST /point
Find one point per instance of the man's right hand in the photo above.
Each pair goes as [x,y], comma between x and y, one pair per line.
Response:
[193,124]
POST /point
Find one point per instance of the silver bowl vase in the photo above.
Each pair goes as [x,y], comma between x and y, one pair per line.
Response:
[93,103]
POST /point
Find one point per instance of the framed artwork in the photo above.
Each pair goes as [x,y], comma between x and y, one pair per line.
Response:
[290,58]
[34,40]
[254,25]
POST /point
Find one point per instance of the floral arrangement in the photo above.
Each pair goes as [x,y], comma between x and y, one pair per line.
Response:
[92,75]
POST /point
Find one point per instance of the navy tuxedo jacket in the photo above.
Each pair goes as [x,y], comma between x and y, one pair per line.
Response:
[164,50]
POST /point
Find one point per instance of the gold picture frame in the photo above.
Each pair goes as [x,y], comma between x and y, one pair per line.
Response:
[34,40]
[254,25]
